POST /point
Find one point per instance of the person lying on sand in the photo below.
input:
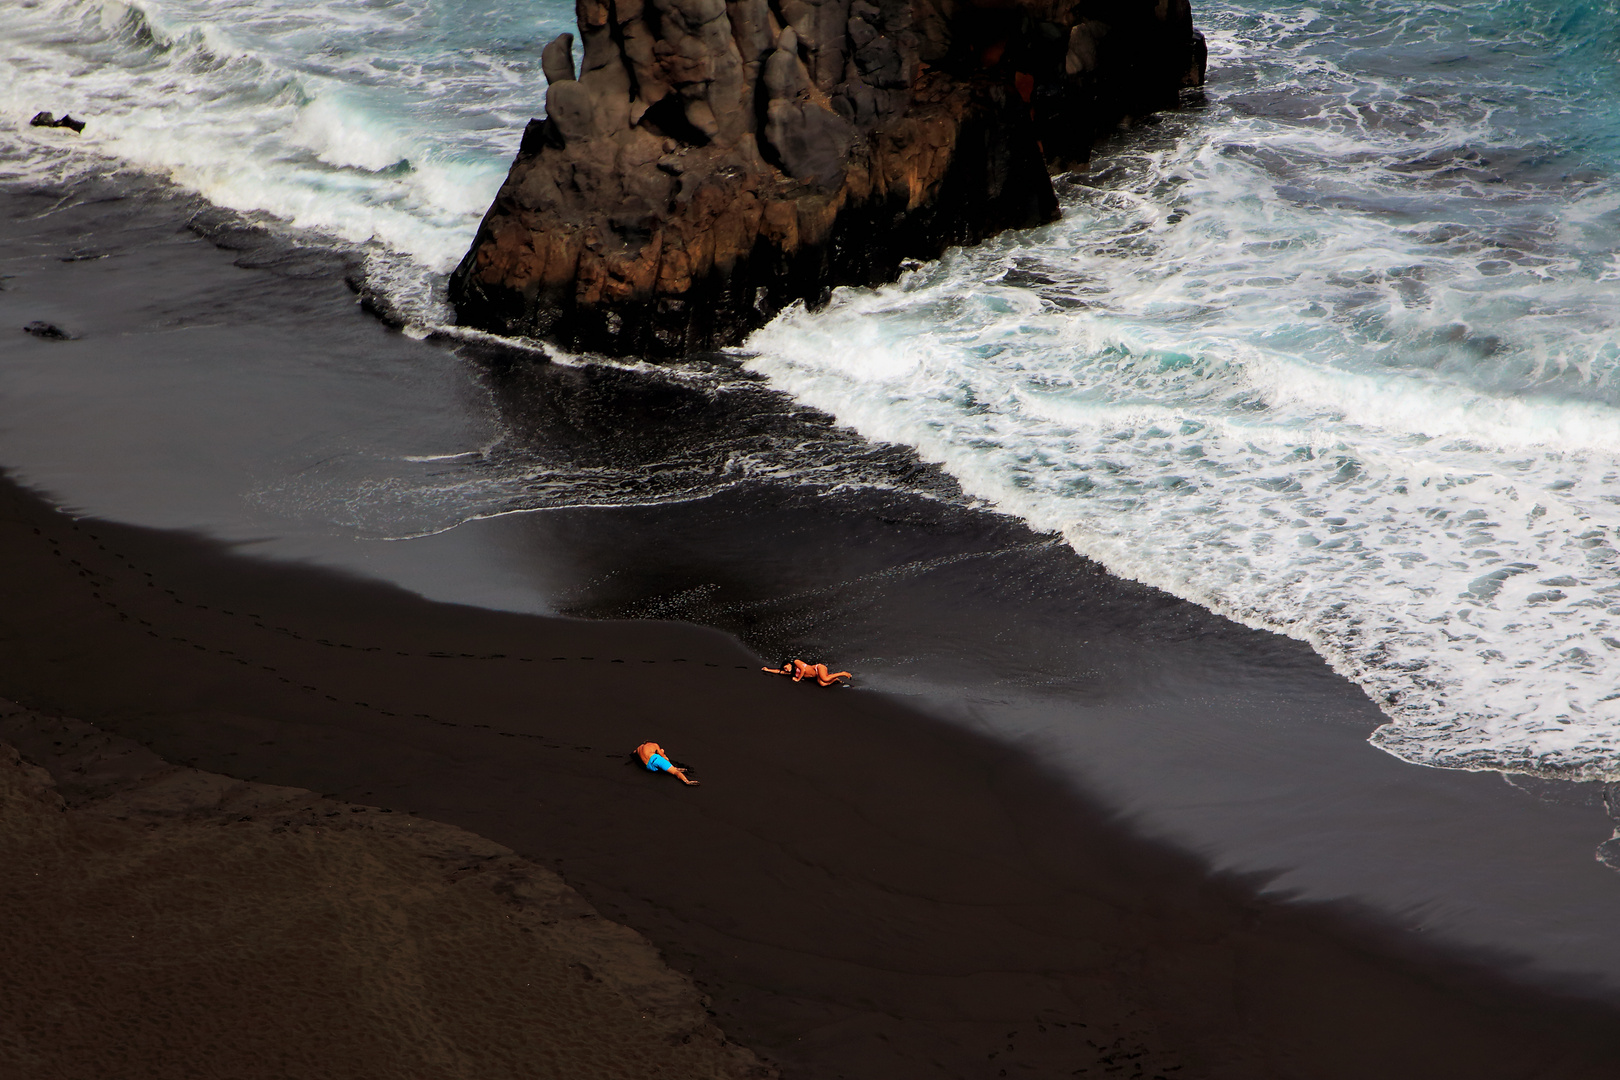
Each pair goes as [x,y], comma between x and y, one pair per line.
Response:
[654,757]
[801,670]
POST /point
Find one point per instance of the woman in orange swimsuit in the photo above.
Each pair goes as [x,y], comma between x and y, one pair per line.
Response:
[801,671]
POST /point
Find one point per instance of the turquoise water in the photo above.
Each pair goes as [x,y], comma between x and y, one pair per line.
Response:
[1332,352]
[391,122]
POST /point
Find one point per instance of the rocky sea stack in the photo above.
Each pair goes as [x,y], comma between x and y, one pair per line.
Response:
[715,160]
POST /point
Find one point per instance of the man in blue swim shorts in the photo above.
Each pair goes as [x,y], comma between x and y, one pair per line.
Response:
[653,756]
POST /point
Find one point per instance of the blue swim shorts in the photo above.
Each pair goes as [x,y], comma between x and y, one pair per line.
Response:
[658,761]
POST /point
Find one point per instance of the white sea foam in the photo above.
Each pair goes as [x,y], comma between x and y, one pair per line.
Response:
[1335,357]
[358,121]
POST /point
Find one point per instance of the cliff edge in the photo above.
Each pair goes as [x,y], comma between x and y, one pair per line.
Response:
[713,161]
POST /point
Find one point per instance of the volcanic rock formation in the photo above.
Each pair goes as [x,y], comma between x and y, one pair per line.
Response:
[716,160]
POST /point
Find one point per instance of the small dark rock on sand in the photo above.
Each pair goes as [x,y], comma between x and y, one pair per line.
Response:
[44,119]
[47,331]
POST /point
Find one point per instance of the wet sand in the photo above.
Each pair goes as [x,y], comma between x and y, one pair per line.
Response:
[862,890]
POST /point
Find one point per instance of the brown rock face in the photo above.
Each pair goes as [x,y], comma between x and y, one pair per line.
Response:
[716,160]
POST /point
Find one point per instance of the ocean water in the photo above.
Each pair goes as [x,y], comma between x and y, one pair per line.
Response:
[1331,351]
[1334,355]
[385,122]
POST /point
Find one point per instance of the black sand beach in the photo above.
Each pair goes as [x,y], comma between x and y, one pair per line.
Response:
[866,885]
[863,890]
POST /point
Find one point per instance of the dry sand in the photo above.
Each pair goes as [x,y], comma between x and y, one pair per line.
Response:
[167,922]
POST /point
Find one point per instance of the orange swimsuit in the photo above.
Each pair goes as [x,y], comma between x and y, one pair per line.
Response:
[802,670]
